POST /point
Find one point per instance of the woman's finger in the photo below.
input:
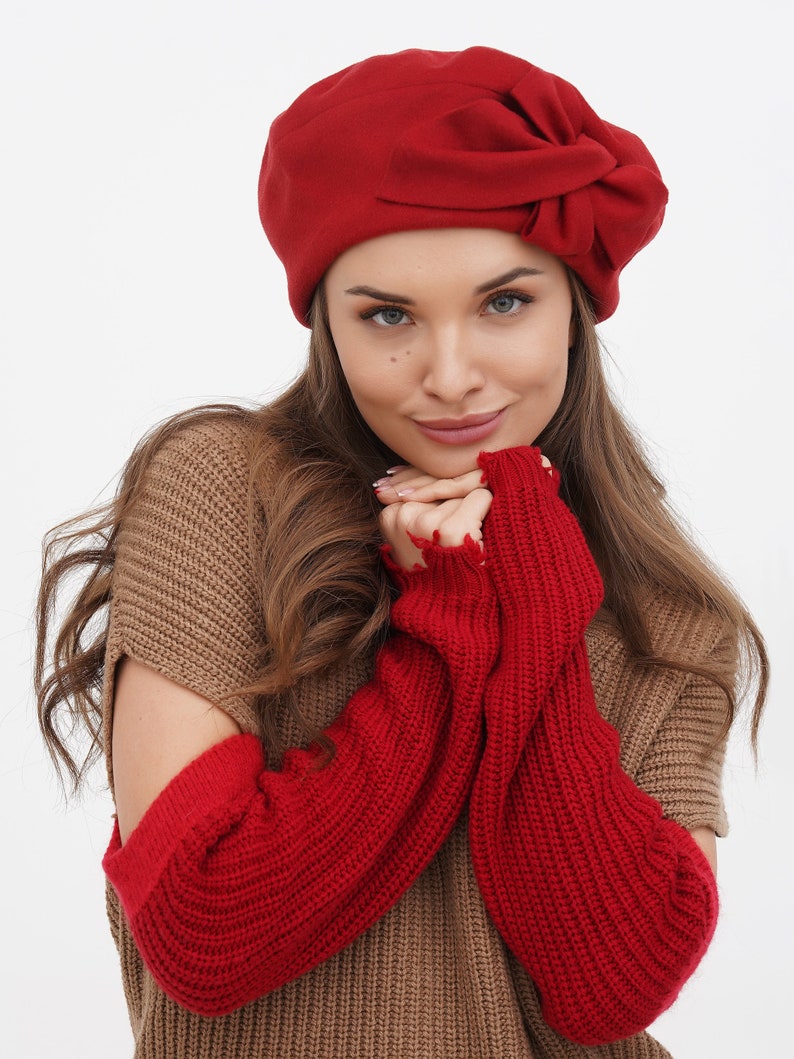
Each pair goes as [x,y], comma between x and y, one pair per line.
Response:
[396,478]
[443,488]
[464,519]
[448,522]
[426,489]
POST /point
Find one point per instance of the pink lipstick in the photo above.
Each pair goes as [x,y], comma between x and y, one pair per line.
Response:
[463,431]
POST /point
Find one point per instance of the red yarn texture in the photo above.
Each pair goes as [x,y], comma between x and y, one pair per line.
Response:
[238,879]
[608,905]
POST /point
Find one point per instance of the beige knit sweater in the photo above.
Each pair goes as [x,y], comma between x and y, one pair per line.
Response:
[432,978]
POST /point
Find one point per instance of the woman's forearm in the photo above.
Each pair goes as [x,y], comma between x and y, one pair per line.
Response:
[607,904]
[239,879]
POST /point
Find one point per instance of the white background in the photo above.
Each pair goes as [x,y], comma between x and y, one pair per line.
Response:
[136,282]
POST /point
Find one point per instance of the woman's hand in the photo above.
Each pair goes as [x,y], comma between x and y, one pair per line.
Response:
[417,505]
[420,507]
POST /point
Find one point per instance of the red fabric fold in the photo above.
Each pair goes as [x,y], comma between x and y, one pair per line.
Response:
[471,139]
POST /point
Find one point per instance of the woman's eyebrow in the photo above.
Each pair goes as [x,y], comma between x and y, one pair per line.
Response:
[490,284]
[507,277]
[380,295]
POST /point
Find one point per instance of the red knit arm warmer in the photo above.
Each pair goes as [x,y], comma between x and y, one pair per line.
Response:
[608,905]
[238,879]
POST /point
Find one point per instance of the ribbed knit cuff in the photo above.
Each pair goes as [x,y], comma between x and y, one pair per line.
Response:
[508,468]
[547,581]
[458,568]
[224,775]
[451,604]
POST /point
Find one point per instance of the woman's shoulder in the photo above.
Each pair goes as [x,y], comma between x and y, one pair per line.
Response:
[184,512]
[672,718]
[691,633]
[185,585]
[198,466]
[214,440]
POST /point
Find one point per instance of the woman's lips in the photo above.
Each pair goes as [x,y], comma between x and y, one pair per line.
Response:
[462,431]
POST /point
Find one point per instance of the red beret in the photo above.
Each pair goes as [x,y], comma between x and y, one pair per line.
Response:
[468,139]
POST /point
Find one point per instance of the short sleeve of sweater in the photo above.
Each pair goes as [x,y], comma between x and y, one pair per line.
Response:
[683,765]
[184,597]
[670,722]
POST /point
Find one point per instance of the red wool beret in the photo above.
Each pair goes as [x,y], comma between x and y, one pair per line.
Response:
[468,139]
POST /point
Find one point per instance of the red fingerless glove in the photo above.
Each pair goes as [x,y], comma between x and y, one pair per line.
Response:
[239,879]
[608,905]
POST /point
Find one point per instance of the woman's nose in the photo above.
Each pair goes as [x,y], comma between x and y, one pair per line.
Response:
[452,367]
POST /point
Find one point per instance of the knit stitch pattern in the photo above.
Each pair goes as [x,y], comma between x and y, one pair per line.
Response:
[431,978]
[608,905]
[239,879]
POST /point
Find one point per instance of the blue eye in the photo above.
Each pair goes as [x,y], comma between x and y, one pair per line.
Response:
[386,316]
[506,303]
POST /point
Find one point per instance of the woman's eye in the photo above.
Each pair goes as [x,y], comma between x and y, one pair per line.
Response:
[386,316]
[506,304]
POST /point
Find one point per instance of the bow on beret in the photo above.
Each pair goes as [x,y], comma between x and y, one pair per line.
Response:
[476,138]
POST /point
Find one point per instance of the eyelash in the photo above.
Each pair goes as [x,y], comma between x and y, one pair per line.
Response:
[377,309]
[519,296]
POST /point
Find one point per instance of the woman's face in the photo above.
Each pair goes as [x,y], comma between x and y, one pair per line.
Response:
[452,341]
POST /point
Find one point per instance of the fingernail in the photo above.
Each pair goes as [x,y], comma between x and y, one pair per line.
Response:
[381,482]
[405,492]
[397,469]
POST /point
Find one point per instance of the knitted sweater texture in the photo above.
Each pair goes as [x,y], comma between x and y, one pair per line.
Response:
[362,909]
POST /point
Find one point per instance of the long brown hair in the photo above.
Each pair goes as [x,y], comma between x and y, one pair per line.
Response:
[327,598]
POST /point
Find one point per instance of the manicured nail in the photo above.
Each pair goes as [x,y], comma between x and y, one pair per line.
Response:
[397,469]
[381,482]
[405,492]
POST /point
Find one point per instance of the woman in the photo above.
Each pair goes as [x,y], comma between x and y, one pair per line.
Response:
[455,794]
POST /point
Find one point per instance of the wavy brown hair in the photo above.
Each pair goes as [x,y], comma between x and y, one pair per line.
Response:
[327,597]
